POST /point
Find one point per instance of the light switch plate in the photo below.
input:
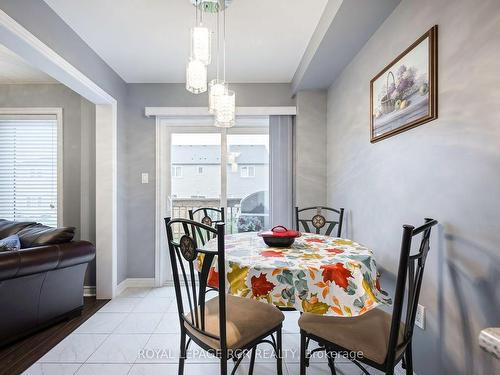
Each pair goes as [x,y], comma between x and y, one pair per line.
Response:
[145,178]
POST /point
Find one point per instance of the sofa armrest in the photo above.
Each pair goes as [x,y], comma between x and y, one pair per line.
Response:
[44,258]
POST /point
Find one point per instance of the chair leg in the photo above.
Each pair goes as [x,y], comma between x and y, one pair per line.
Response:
[303,348]
[279,358]
[223,365]
[252,361]
[331,363]
[409,360]
[182,357]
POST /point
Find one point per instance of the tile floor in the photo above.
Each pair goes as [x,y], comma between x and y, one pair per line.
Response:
[138,334]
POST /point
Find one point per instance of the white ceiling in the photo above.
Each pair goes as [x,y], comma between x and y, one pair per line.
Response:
[14,70]
[148,41]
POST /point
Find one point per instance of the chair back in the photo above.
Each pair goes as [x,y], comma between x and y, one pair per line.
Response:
[190,285]
[314,219]
[410,272]
[209,216]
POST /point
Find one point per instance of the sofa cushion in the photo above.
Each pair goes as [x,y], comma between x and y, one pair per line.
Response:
[9,227]
[40,235]
[10,243]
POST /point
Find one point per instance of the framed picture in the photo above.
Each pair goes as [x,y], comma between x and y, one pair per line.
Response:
[404,94]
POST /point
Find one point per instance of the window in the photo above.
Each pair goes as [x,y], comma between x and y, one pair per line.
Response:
[200,170]
[247,171]
[29,165]
[177,172]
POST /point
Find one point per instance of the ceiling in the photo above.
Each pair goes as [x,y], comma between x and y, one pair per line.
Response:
[14,70]
[338,39]
[148,41]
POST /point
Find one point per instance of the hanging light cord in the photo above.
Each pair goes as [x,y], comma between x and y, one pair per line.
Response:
[224,41]
[218,46]
[201,15]
[196,13]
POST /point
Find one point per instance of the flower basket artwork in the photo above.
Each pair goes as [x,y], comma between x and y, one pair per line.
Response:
[404,94]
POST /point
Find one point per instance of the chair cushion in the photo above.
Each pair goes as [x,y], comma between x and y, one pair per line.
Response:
[41,235]
[368,333]
[246,320]
[10,243]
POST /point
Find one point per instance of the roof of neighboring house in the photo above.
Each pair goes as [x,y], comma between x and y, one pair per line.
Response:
[199,154]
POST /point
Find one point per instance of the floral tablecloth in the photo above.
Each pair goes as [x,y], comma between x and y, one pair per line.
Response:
[318,274]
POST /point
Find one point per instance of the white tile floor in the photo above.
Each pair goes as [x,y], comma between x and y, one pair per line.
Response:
[138,334]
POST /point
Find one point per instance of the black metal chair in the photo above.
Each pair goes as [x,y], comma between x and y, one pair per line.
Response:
[383,340]
[318,220]
[226,326]
[209,216]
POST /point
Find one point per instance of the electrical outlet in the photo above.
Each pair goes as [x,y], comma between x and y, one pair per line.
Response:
[420,318]
[145,178]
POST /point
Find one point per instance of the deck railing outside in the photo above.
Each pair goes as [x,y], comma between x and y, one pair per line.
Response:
[247,223]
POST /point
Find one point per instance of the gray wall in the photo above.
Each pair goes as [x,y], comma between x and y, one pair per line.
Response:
[78,151]
[140,136]
[310,149]
[38,18]
[447,169]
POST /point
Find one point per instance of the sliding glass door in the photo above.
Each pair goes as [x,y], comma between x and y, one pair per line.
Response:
[239,169]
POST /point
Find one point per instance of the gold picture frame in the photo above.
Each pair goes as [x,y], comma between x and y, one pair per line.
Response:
[404,94]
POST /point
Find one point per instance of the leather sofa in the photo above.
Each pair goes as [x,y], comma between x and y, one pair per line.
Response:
[41,283]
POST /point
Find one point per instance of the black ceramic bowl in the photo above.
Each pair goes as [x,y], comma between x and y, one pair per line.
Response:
[279,241]
[279,236]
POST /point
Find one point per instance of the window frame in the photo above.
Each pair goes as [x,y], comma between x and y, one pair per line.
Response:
[58,113]
[177,168]
[248,168]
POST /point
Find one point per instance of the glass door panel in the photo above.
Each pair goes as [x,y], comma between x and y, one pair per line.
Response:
[195,172]
[247,182]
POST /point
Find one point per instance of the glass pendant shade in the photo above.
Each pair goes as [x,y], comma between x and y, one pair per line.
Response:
[225,110]
[216,88]
[196,77]
[201,44]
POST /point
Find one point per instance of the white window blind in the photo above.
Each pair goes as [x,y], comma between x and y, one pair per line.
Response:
[28,168]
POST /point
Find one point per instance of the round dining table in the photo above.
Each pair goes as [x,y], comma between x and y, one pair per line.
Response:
[317,274]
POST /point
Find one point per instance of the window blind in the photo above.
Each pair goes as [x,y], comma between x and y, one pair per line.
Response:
[28,168]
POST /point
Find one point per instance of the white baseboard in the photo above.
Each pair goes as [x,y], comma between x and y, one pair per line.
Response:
[135,283]
[89,291]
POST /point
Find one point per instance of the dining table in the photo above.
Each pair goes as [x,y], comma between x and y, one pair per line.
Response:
[317,274]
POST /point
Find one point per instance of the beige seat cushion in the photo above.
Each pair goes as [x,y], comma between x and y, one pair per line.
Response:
[246,320]
[368,333]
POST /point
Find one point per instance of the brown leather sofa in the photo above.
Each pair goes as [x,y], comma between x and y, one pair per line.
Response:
[42,283]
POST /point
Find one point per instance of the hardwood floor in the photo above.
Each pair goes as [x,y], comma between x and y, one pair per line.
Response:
[17,357]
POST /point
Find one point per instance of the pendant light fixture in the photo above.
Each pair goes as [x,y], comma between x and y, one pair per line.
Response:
[201,41]
[225,112]
[217,86]
[196,70]
[196,77]
[221,100]
[225,104]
